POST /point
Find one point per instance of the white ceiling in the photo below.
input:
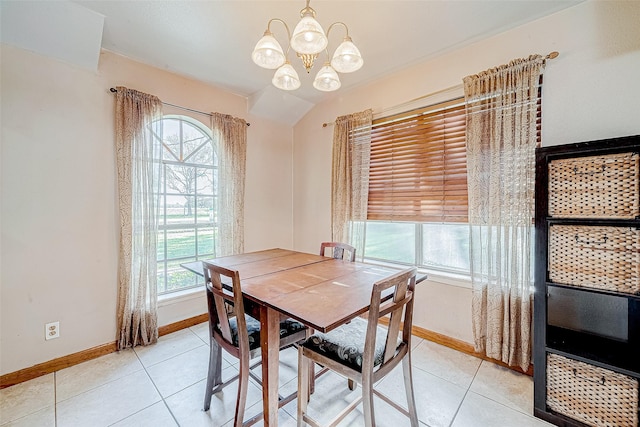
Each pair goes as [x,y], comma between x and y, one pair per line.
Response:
[211,41]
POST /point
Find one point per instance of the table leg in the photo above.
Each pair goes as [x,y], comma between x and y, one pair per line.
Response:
[270,346]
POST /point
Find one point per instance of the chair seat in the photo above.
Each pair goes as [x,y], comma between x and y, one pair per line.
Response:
[287,327]
[346,344]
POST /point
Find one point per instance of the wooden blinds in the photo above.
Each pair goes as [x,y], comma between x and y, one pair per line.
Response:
[418,169]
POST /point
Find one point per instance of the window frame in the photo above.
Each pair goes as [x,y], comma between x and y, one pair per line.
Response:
[419,257]
[164,227]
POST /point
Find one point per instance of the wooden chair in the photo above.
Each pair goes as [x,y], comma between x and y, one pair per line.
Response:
[365,352]
[239,335]
[340,250]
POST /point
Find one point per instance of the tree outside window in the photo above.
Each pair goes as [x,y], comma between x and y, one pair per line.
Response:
[188,217]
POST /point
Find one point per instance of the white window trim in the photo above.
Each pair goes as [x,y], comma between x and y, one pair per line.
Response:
[444,277]
[181,296]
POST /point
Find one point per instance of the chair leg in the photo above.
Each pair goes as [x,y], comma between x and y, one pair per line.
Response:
[312,368]
[243,387]
[351,384]
[367,401]
[214,376]
[408,385]
[312,378]
[304,385]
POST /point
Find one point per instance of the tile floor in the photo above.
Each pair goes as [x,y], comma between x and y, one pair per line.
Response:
[163,385]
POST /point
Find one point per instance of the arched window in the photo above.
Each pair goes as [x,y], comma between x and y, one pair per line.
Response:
[188,190]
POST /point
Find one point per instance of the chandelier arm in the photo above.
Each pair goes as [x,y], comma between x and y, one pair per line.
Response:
[329,30]
[326,50]
[286,27]
[338,23]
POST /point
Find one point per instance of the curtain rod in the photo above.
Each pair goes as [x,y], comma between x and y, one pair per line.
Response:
[114,90]
[551,55]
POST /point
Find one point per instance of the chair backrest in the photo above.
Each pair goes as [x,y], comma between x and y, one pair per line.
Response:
[217,295]
[400,308]
[340,250]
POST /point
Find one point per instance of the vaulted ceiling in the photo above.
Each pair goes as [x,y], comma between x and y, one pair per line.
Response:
[212,41]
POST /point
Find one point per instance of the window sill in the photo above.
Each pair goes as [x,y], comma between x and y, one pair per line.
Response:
[447,278]
[444,277]
[181,296]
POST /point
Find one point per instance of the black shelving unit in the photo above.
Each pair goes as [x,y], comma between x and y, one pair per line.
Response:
[614,347]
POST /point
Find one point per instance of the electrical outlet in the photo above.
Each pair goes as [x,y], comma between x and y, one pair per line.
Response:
[52,330]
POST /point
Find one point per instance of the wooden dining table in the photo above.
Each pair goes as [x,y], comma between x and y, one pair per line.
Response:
[320,292]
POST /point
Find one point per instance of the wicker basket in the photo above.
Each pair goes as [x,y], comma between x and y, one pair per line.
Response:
[592,395]
[595,187]
[595,257]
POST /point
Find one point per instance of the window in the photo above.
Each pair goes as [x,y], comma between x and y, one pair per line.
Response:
[417,209]
[188,215]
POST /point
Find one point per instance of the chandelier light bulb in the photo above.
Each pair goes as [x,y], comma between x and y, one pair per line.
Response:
[286,77]
[268,52]
[347,57]
[327,79]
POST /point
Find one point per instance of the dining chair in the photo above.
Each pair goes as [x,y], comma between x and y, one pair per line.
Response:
[366,352]
[345,252]
[340,250]
[238,334]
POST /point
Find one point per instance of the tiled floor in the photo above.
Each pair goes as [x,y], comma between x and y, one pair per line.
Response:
[163,385]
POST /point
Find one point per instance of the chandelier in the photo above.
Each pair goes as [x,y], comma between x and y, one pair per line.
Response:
[308,41]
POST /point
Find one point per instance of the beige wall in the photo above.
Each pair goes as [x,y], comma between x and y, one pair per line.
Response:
[591,91]
[59,220]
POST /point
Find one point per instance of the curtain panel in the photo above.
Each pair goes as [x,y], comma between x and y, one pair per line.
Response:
[138,162]
[230,135]
[501,110]
[350,179]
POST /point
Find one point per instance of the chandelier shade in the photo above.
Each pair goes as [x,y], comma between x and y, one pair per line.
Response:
[268,52]
[327,79]
[286,78]
[347,57]
[308,41]
[308,37]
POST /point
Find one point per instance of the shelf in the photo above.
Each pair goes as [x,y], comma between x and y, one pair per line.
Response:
[599,327]
[557,419]
[606,353]
[634,222]
[594,290]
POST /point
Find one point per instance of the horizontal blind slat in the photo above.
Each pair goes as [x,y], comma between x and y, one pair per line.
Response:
[418,166]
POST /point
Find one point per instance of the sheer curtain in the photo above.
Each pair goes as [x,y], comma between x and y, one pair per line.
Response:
[138,158]
[350,179]
[230,135]
[502,106]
